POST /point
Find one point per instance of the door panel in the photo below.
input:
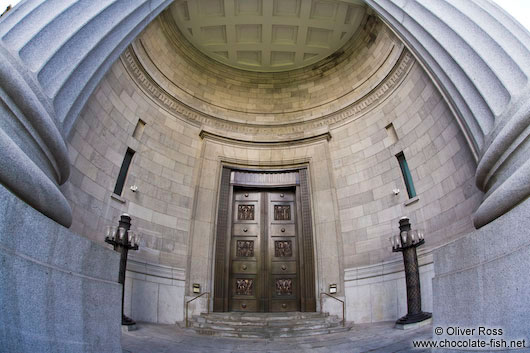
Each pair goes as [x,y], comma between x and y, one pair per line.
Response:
[246,229]
[245,267]
[284,293]
[282,196]
[284,268]
[282,230]
[283,252]
[245,253]
[264,263]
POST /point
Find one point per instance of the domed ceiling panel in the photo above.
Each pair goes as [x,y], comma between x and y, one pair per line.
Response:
[268,35]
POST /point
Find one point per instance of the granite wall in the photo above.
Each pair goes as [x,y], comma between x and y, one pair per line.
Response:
[494,278]
[52,286]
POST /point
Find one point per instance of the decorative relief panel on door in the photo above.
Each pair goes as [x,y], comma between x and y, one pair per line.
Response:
[284,286]
[282,212]
[244,286]
[245,248]
[283,248]
[245,212]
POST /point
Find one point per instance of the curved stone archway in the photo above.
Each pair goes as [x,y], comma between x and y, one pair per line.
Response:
[52,58]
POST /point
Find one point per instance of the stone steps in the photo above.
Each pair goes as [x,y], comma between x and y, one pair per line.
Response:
[250,328]
[267,325]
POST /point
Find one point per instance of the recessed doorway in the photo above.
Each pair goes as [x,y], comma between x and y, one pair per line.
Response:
[264,261]
[264,246]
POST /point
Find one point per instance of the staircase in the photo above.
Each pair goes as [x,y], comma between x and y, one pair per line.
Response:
[267,325]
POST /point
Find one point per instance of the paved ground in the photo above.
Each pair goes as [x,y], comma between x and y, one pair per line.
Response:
[374,338]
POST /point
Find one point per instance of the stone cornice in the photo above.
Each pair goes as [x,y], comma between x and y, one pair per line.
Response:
[250,131]
[235,141]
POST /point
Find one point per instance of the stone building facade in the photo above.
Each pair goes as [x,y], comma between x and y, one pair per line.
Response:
[444,84]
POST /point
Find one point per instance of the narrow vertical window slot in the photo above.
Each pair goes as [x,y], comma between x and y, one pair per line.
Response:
[118,189]
[391,133]
[139,129]
[407,177]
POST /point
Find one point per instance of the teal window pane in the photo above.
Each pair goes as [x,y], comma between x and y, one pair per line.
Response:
[406,175]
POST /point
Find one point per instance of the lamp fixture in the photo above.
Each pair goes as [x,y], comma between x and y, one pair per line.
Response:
[123,239]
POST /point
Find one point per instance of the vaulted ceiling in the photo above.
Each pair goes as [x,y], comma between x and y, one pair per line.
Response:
[268,35]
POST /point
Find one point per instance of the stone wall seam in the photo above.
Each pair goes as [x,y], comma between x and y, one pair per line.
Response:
[54,267]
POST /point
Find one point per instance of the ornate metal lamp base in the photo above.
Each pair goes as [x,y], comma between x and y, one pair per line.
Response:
[127,321]
[412,319]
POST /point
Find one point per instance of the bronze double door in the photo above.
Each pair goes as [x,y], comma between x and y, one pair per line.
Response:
[264,262]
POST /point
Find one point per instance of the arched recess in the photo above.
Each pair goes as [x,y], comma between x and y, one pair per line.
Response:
[53,56]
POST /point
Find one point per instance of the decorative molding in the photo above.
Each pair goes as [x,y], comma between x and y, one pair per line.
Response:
[268,143]
[244,286]
[33,154]
[264,178]
[245,248]
[245,212]
[183,111]
[220,301]
[284,287]
[308,275]
[282,212]
[283,248]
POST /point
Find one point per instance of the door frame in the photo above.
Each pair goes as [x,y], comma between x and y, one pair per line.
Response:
[293,177]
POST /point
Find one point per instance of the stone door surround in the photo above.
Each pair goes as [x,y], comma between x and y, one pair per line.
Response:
[294,178]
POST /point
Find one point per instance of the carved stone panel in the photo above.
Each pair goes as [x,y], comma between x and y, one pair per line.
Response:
[245,212]
[282,212]
[245,248]
[284,286]
[283,248]
[244,286]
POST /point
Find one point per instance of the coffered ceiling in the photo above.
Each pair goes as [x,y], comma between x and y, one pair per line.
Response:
[268,35]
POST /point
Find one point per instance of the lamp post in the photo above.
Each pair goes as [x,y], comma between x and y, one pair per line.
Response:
[406,242]
[123,239]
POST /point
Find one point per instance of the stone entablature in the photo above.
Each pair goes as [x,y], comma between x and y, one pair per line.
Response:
[259,132]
